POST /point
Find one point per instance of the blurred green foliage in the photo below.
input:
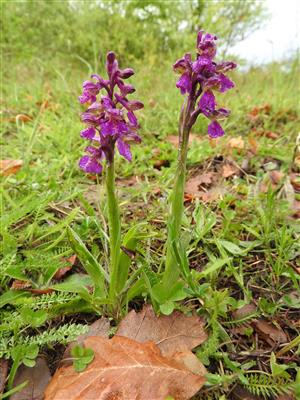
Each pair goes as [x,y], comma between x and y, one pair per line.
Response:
[136,29]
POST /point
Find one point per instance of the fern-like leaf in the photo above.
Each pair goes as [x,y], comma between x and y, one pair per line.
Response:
[266,386]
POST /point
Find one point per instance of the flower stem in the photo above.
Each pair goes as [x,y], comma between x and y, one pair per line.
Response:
[114,229]
[171,273]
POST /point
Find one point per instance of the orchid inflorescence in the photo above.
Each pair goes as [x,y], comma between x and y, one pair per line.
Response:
[111,122]
[199,79]
[110,119]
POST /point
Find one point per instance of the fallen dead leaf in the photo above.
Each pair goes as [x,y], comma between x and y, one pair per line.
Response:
[276,176]
[236,143]
[190,361]
[152,103]
[264,109]
[295,181]
[296,209]
[62,271]
[23,117]
[171,333]
[269,332]
[194,185]
[212,194]
[10,167]
[38,378]
[124,369]
[3,373]
[288,396]
[253,144]
[271,135]
[229,170]
[158,164]
[240,393]
[173,139]
[17,284]
[130,181]
[100,328]
[213,142]
[26,285]
[244,311]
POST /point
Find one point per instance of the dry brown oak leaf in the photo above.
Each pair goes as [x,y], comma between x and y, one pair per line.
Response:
[38,378]
[171,333]
[124,369]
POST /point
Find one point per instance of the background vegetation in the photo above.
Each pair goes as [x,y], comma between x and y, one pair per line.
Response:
[48,49]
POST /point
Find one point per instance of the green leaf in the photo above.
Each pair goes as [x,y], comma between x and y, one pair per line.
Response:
[90,264]
[32,351]
[205,221]
[136,289]
[76,283]
[297,384]
[14,390]
[15,273]
[215,266]
[8,243]
[130,242]
[278,370]
[167,308]
[82,357]
[33,318]
[175,293]
[28,362]
[11,297]
[231,247]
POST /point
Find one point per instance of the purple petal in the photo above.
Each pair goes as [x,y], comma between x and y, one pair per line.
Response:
[88,133]
[226,83]
[111,63]
[184,64]
[126,73]
[200,63]
[94,151]
[107,102]
[207,103]
[180,66]
[121,127]
[90,165]
[89,118]
[86,96]
[125,89]
[215,130]
[221,113]
[124,149]
[91,87]
[101,82]
[95,107]
[135,105]
[184,83]
[225,66]
[206,44]
[134,136]
[107,128]
[110,57]
[122,100]
[132,118]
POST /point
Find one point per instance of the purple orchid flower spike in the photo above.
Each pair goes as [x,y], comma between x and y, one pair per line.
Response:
[199,78]
[110,118]
[110,123]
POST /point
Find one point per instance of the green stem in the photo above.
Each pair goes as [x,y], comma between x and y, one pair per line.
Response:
[13,372]
[171,273]
[114,229]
